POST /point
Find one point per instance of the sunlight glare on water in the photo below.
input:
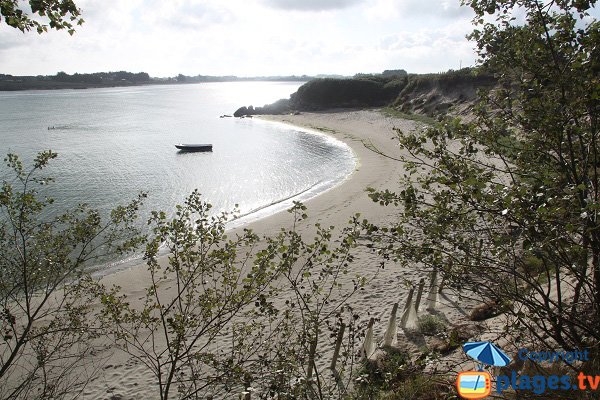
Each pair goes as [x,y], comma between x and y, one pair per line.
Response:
[113,143]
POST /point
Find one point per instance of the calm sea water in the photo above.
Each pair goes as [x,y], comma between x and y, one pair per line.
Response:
[114,143]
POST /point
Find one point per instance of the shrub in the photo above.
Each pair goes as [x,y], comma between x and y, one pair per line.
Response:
[430,325]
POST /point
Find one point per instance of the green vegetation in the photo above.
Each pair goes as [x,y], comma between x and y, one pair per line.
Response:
[60,14]
[329,93]
[395,72]
[450,80]
[424,98]
[226,287]
[392,112]
[47,325]
[63,80]
[102,77]
[506,207]
[394,377]
[436,95]
[209,289]
[419,387]
[431,325]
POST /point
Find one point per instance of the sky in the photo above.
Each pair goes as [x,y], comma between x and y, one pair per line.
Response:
[249,38]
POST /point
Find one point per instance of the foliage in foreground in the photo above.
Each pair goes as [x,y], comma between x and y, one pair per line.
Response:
[506,207]
[46,325]
[221,315]
[394,377]
[60,14]
[226,315]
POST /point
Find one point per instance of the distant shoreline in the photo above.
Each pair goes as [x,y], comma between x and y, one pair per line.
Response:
[19,84]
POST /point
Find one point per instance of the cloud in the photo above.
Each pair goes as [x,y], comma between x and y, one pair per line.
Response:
[194,16]
[438,9]
[164,38]
[190,14]
[428,50]
[311,5]
[405,40]
[11,38]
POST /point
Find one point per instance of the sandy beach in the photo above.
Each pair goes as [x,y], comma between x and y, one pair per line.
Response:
[337,205]
[126,379]
[355,128]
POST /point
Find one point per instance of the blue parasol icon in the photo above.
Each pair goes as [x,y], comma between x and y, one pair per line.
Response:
[486,353]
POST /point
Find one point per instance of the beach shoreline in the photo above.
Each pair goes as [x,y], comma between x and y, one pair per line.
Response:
[334,207]
[337,204]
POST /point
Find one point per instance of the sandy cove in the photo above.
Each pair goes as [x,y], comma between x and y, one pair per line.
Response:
[355,128]
[126,379]
[337,205]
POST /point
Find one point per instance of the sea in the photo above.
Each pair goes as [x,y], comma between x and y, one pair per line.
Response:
[114,143]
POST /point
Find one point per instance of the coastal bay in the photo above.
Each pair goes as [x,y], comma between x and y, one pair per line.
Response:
[336,207]
[418,221]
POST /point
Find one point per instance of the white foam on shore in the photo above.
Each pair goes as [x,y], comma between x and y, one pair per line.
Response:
[311,192]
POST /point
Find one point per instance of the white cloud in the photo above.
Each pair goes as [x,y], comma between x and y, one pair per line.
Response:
[428,51]
[187,14]
[311,5]
[10,39]
[242,37]
[434,8]
[422,9]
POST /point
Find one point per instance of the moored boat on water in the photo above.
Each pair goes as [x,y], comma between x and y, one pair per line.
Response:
[194,147]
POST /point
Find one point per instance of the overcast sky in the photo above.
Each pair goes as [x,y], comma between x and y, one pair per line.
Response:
[249,38]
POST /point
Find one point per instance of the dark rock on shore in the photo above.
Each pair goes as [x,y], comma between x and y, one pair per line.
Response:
[241,112]
[279,107]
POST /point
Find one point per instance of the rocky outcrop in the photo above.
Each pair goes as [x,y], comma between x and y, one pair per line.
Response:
[240,112]
[279,107]
[453,92]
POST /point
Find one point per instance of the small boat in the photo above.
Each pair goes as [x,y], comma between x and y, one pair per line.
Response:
[194,147]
